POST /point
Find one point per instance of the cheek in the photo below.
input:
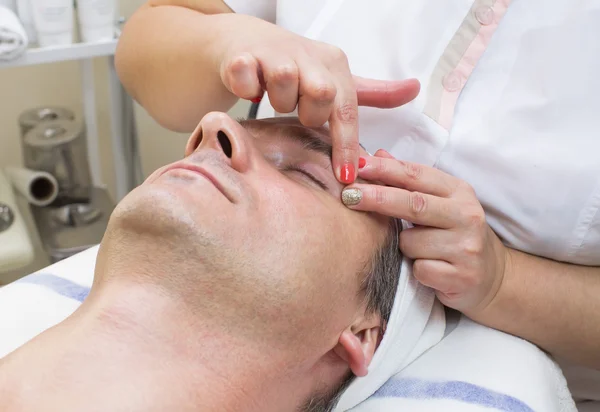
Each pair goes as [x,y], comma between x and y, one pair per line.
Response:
[305,253]
[297,214]
[301,230]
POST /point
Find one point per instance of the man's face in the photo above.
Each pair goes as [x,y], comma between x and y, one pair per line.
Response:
[250,225]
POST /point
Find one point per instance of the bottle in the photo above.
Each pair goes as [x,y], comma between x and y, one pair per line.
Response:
[26,16]
[97,19]
[53,21]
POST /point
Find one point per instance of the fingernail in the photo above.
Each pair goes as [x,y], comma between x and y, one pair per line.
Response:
[351,197]
[258,98]
[362,162]
[347,173]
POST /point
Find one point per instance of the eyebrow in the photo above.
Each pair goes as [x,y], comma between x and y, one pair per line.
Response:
[309,138]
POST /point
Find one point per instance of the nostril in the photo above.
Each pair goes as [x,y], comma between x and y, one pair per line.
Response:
[198,140]
[225,143]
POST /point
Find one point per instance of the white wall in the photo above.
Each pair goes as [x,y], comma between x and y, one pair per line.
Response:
[59,84]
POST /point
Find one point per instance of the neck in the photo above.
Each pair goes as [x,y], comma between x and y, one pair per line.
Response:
[135,348]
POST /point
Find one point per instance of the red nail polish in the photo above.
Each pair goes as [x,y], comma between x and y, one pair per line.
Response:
[362,162]
[256,99]
[347,173]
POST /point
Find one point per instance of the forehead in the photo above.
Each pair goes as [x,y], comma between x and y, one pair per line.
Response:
[277,125]
[292,127]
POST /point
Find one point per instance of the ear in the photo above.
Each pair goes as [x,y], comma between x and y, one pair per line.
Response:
[357,344]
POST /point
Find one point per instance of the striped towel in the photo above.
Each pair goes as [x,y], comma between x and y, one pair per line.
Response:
[39,301]
[473,368]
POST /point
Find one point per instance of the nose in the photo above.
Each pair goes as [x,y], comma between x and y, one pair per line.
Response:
[218,131]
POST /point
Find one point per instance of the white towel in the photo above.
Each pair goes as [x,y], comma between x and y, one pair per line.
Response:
[39,301]
[13,39]
[476,368]
[473,368]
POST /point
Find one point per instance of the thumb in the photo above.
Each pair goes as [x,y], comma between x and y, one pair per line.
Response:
[385,94]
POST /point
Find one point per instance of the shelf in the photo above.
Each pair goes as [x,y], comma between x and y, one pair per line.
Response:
[121,130]
[76,51]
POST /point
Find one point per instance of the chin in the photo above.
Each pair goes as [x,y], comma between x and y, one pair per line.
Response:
[153,211]
[152,232]
[163,214]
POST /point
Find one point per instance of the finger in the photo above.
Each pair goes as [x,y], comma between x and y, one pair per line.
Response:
[240,75]
[343,125]
[408,175]
[317,93]
[418,208]
[436,274]
[429,243]
[385,94]
[281,77]
[383,153]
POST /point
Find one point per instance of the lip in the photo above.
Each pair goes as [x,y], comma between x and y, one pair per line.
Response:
[203,172]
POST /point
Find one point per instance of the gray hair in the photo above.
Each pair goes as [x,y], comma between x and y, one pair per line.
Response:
[382,274]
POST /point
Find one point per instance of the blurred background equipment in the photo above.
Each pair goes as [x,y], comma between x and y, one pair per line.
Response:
[58,185]
[54,142]
[68,130]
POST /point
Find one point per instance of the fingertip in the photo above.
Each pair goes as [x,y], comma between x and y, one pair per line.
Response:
[362,162]
[347,173]
[345,166]
[384,153]
[414,82]
[257,99]
[352,196]
[346,149]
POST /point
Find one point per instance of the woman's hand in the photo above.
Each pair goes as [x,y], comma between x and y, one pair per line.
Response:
[455,251]
[254,56]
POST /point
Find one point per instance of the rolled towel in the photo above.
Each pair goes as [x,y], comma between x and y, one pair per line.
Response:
[13,38]
[416,324]
[423,366]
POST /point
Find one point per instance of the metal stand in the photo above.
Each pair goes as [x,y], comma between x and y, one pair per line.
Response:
[127,163]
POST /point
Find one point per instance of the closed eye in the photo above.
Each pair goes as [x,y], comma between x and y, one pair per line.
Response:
[308,175]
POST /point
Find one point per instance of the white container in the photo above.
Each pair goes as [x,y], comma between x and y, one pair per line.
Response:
[16,249]
[53,21]
[96,19]
[26,16]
